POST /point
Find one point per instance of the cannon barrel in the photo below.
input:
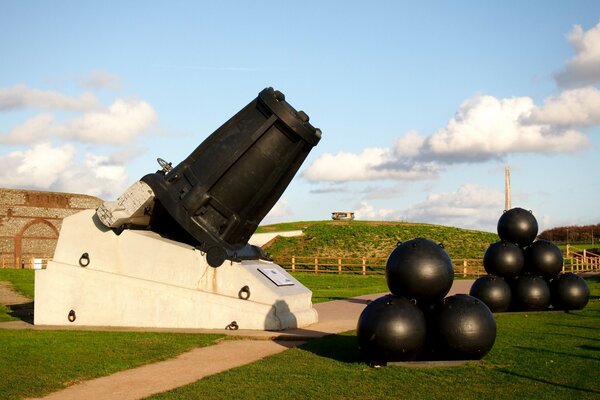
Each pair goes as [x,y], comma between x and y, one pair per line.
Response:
[217,196]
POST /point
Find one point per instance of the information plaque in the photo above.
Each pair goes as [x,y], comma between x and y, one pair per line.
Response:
[276,276]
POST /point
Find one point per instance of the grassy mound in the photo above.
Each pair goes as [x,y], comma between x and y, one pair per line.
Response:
[372,239]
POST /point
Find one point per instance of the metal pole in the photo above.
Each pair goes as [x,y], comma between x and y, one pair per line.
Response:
[507,199]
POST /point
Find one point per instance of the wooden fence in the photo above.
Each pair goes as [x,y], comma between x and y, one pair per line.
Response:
[576,261]
[363,265]
[580,260]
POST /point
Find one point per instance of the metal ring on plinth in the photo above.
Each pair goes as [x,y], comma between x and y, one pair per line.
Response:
[244,293]
[233,326]
[84,260]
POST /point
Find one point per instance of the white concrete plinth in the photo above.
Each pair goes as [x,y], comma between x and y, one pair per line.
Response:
[139,279]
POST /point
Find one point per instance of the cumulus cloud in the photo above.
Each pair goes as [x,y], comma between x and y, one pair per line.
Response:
[49,145]
[369,164]
[575,107]
[486,127]
[120,123]
[57,168]
[21,97]
[39,166]
[280,212]
[366,211]
[94,175]
[39,127]
[584,68]
[470,206]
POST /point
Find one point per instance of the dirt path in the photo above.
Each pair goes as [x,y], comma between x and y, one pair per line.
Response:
[141,382]
[9,296]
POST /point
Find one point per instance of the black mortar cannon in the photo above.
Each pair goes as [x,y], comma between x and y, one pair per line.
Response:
[216,197]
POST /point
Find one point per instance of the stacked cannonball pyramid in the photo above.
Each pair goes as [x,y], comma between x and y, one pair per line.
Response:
[415,321]
[523,273]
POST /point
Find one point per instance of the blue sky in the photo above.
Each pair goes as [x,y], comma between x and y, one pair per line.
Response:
[421,104]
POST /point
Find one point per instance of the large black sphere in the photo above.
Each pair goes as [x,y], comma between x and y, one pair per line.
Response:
[419,269]
[504,259]
[462,328]
[493,291]
[530,293]
[569,292]
[543,258]
[518,226]
[391,328]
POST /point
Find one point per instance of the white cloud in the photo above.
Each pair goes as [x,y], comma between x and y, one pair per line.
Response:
[470,206]
[95,175]
[39,166]
[370,164]
[409,144]
[368,212]
[584,68]
[120,123]
[46,167]
[35,129]
[43,164]
[579,107]
[486,128]
[23,97]
[280,212]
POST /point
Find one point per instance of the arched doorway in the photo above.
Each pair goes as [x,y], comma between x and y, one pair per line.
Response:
[36,239]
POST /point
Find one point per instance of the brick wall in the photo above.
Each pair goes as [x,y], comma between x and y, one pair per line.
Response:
[30,222]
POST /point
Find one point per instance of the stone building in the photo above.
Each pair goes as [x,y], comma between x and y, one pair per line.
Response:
[30,222]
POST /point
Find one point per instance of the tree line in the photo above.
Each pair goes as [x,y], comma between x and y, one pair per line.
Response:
[573,234]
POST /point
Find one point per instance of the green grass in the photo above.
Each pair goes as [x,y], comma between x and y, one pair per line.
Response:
[544,355]
[336,287]
[21,279]
[536,355]
[372,239]
[33,363]
[5,314]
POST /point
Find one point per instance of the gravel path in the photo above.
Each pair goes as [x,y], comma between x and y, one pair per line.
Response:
[9,297]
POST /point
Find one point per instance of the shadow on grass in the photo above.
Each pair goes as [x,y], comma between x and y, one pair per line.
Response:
[342,348]
[544,381]
[341,298]
[589,348]
[24,311]
[560,353]
[573,336]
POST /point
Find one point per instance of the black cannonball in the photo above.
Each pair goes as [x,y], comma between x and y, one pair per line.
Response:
[391,328]
[419,269]
[543,258]
[493,291]
[530,293]
[569,292]
[504,259]
[518,226]
[462,328]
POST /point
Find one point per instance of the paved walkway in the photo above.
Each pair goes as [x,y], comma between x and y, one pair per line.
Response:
[9,297]
[334,317]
